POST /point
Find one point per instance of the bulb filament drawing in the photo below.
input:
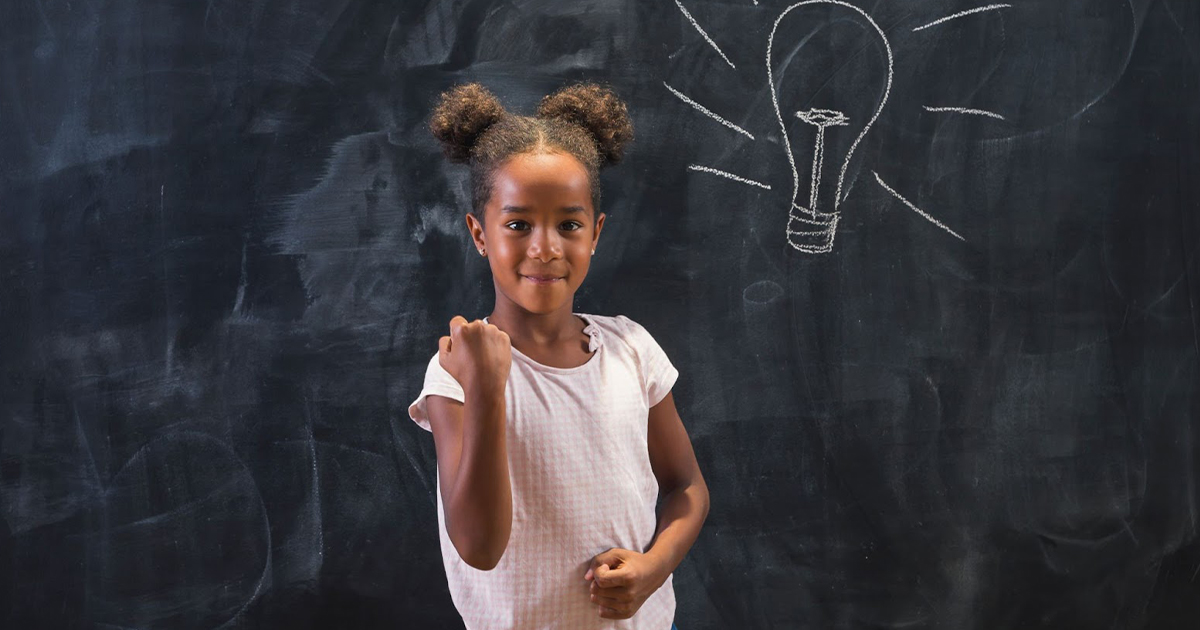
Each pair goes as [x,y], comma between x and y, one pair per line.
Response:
[821,118]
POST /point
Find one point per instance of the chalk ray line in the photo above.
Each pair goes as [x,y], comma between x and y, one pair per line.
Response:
[954,16]
[916,209]
[708,113]
[736,178]
[964,110]
[703,34]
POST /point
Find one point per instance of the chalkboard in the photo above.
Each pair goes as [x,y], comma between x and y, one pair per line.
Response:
[928,269]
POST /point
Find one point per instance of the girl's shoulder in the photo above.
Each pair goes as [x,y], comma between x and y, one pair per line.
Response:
[656,372]
[621,328]
[615,325]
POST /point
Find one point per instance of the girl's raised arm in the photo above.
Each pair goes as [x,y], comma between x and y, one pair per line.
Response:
[470,438]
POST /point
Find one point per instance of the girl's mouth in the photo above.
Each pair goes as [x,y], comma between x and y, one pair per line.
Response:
[537,280]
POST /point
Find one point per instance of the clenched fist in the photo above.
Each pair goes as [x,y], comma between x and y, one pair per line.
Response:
[477,354]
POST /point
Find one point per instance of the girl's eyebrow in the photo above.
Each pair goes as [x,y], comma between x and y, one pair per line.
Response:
[521,209]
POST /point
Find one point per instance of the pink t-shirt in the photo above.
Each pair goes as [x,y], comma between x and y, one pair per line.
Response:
[581,482]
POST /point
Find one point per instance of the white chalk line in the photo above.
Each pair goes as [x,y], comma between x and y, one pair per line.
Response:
[964,110]
[816,171]
[820,217]
[990,7]
[796,233]
[703,34]
[696,167]
[705,111]
[916,209]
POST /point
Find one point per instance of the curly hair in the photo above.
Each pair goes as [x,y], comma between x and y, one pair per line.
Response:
[585,120]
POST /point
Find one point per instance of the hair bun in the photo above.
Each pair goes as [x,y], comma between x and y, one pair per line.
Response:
[597,109]
[461,116]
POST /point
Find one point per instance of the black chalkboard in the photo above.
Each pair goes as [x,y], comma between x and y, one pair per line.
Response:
[953,387]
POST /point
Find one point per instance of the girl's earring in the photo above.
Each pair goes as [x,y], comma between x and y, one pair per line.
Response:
[593,251]
[481,252]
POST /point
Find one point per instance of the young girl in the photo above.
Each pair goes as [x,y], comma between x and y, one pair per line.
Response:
[555,431]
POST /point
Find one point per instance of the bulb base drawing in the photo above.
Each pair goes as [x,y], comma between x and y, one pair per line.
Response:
[811,232]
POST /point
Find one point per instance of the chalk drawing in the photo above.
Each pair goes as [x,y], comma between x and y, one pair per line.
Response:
[705,111]
[955,16]
[820,118]
[703,34]
[811,229]
[964,110]
[914,208]
[820,228]
[705,169]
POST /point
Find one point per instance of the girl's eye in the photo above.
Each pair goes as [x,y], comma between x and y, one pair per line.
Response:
[574,223]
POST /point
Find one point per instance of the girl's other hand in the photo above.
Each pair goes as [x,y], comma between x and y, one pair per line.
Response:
[477,354]
[622,580]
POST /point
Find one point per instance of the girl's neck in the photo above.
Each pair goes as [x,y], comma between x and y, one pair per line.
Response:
[539,330]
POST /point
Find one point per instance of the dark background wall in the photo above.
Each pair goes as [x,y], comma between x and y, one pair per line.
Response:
[228,246]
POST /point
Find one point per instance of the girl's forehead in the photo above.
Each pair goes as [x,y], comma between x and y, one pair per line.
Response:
[542,174]
[545,162]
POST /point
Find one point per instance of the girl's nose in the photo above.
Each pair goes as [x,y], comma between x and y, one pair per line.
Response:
[546,243]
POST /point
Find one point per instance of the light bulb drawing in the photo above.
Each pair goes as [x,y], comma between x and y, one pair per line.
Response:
[810,230]
[812,224]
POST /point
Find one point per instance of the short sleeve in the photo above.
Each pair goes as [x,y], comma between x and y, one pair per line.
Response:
[658,373]
[437,381]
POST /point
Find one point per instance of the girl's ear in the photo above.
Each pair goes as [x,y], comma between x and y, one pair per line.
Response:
[599,227]
[476,230]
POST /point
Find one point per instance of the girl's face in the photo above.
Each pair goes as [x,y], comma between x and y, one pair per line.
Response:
[539,223]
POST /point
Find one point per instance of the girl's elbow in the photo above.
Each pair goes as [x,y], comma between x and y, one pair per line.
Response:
[481,563]
[701,495]
[482,556]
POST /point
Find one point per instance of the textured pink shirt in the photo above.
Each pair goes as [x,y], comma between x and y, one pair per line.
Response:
[581,482]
